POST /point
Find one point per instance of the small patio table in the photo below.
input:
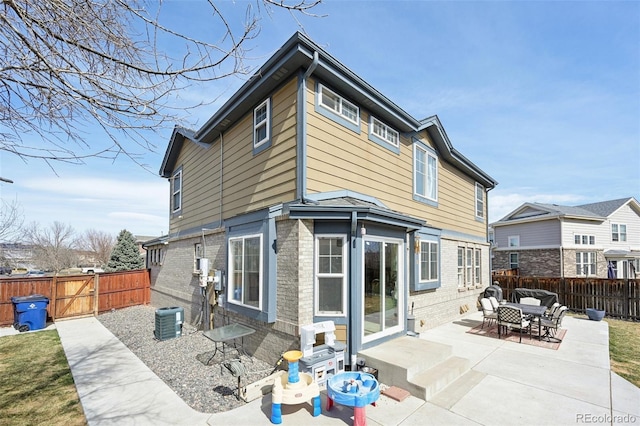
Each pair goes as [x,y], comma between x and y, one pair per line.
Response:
[227,335]
[531,310]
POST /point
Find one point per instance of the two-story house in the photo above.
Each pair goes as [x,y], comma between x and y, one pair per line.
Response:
[318,198]
[598,240]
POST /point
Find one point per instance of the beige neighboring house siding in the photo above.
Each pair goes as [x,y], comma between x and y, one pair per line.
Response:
[200,183]
[340,159]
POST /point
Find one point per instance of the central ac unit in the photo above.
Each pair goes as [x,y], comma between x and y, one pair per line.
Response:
[169,322]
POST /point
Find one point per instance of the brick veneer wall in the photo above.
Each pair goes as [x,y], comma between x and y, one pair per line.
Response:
[436,307]
[539,262]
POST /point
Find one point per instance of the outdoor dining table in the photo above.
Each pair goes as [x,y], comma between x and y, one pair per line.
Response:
[530,310]
[227,335]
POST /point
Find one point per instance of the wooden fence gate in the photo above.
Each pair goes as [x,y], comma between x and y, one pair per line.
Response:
[74,296]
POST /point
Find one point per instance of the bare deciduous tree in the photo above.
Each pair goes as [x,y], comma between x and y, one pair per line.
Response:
[98,245]
[68,62]
[53,247]
[11,220]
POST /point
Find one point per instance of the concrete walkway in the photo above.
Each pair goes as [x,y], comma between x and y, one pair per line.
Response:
[509,383]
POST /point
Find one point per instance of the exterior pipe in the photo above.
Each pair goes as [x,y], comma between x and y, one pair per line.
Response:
[301,184]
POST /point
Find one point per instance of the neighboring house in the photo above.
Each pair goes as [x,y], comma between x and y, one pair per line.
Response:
[320,199]
[597,240]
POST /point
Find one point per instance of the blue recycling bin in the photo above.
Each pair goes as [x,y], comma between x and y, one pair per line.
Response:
[29,312]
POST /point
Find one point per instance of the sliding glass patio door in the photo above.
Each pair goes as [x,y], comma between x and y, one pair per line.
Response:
[383,287]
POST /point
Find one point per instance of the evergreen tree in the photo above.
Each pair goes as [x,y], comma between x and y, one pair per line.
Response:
[125,255]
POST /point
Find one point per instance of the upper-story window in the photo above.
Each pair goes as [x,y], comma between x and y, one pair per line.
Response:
[585,239]
[514,240]
[384,132]
[176,191]
[425,166]
[262,126]
[339,105]
[618,232]
[479,201]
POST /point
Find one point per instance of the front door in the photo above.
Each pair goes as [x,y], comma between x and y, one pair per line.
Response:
[383,287]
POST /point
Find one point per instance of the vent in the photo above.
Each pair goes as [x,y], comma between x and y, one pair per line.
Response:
[169,322]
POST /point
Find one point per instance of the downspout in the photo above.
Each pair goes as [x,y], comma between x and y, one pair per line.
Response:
[220,190]
[301,130]
[352,294]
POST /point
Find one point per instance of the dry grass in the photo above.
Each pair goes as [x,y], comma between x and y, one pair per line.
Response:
[36,385]
[624,347]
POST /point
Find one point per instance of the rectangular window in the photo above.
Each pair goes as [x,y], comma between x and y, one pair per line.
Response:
[514,241]
[428,261]
[245,266]
[469,268]
[460,266]
[261,126]
[339,105]
[176,191]
[585,239]
[384,132]
[477,273]
[513,260]
[585,263]
[331,275]
[479,200]
[425,173]
[618,232]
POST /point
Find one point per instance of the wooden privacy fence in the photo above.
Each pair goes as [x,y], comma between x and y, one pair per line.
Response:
[620,298]
[78,295]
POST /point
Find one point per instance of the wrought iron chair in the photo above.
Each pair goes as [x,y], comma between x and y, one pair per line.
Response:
[494,303]
[511,317]
[553,324]
[488,314]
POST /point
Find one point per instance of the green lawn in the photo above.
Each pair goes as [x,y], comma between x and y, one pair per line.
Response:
[36,386]
[624,347]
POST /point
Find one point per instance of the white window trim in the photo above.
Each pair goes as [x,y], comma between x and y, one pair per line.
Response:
[460,262]
[339,104]
[400,283]
[265,122]
[516,238]
[480,191]
[428,154]
[591,261]
[317,311]
[431,245]
[469,267]
[477,266]
[175,191]
[231,284]
[387,132]
[619,233]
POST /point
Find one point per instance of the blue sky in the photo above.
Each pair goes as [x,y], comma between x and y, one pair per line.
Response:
[543,96]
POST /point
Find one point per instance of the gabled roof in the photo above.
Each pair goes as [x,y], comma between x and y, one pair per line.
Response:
[529,212]
[301,53]
[607,208]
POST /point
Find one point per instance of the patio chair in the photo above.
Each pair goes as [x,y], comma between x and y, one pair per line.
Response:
[494,303]
[488,314]
[553,324]
[530,301]
[511,317]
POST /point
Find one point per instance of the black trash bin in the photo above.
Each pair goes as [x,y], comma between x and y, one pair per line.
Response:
[29,312]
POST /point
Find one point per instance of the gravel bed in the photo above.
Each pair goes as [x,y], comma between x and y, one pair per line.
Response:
[181,362]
